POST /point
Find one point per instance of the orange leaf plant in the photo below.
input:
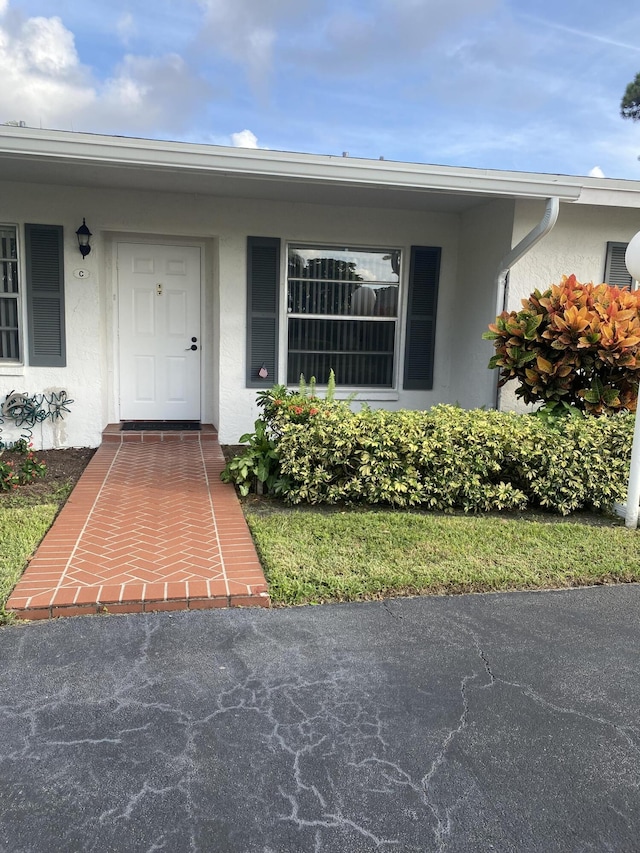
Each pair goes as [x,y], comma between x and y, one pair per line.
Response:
[575,344]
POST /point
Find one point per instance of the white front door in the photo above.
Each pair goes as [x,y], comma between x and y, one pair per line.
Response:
[159,331]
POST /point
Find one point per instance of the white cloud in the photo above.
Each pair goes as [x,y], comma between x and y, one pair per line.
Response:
[149,94]
[244,139]
[47,46]
[4,5]
[596,172]
[44,83]
[247,30]
[384,33]
[126,27]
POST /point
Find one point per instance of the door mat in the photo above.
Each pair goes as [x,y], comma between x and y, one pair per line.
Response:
[160,426]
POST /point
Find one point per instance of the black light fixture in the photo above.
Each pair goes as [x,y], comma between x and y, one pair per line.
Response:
[83,234]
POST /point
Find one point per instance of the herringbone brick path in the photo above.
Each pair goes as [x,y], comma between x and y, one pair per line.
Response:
[149,526]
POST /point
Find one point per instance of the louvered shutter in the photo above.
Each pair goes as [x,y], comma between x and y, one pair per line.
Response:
[615,270]
[45,295]
[424,272]
[263,287]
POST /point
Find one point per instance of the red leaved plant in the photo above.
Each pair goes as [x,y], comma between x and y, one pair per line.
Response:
[575,344]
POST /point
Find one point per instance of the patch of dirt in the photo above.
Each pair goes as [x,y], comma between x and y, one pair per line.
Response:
[270,505]
[64,468]
[231,450]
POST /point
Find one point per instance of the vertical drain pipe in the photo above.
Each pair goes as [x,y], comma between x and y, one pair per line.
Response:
[534,236]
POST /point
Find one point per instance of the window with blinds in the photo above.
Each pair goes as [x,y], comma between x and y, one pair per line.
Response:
[342,309]
[9,294]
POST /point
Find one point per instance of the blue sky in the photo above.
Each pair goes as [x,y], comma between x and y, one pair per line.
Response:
[498,84]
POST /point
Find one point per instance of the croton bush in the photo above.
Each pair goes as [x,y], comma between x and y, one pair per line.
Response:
[575,345]
[320,451]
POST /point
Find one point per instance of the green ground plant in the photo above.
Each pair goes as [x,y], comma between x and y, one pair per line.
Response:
[313,556]
[258,468]
[21,529]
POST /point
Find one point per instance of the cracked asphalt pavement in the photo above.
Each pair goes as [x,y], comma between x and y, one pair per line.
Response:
[505,722]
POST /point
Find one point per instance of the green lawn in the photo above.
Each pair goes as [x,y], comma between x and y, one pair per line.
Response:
[27,513]
[21,529]
[316,556]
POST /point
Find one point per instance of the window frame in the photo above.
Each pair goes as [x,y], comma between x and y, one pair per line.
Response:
[370,391]
[19,296]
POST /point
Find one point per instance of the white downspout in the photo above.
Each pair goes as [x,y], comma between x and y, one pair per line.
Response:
[630,509]
[632,262]
[534,236]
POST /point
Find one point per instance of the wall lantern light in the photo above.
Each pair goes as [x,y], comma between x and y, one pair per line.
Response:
[83,234]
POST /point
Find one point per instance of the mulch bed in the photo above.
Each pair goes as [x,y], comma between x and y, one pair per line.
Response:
[64,468]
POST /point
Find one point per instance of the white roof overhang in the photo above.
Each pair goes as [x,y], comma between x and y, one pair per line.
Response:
[87,160]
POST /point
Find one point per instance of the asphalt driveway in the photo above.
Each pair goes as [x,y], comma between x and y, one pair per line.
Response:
[478,723]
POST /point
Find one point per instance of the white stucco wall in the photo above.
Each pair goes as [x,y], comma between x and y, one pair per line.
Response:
[221,227]
[82,379]
[472,245]
[485,238]
[577,244]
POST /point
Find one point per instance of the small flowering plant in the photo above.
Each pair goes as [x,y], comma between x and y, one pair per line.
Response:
[258,466]
[19,465]
[279,404]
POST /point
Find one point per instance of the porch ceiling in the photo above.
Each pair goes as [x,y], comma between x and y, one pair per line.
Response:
[84,160]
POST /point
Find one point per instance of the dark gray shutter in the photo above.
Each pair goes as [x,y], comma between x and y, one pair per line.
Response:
[615,270]
[45,295]
[424,272]
[263,288]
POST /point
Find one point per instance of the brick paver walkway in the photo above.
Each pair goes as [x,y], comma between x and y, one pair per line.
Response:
[149,526]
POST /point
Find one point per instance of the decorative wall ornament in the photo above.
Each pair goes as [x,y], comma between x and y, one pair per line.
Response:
[27,410]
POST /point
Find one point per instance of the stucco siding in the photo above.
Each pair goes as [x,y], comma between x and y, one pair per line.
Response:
[485,238]
[221,227]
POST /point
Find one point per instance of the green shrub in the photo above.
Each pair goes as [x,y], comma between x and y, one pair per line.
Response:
[450,458]
[257,467]
[319,451]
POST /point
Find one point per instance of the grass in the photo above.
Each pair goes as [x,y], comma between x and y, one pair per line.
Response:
[315,556]
[27,513]
[21,529]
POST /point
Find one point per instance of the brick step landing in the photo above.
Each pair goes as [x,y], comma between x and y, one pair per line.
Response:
[115,433]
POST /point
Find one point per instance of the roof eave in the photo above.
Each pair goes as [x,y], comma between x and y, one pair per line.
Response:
[121,152]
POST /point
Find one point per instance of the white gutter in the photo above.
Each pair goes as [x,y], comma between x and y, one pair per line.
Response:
[526,244]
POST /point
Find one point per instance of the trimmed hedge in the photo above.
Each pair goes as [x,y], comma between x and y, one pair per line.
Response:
[450,458]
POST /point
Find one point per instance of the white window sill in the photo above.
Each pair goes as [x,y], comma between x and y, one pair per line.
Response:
[368,395]
[11,369]
[362,395]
